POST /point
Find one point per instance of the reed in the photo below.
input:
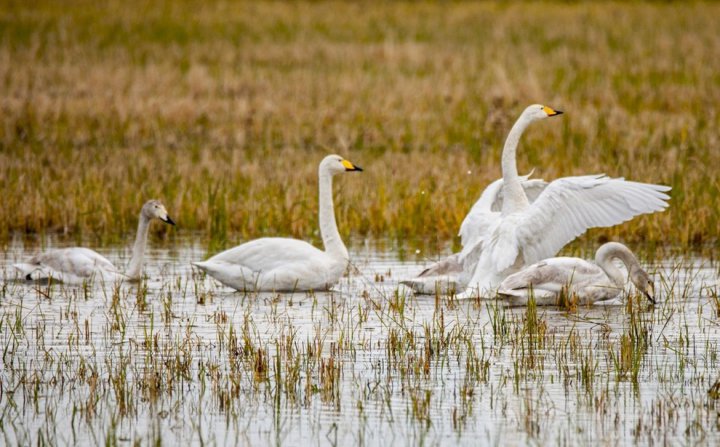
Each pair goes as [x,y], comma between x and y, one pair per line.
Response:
[223,111]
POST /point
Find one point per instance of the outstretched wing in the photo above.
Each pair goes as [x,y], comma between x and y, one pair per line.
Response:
[570,206]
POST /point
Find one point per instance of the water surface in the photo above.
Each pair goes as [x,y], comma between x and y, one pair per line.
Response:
[182,359]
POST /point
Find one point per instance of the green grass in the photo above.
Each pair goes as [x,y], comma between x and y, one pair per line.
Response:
[223,110]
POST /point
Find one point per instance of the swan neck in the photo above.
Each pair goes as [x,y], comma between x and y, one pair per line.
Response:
[328,227]
[514,196]
[607,253]
[134,270]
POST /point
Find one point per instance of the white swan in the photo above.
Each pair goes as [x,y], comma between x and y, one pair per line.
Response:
[443,277]
[282,264]
[576,279]
[523,233]
[77,264]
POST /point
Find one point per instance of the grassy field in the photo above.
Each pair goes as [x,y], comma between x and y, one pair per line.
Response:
[223,110]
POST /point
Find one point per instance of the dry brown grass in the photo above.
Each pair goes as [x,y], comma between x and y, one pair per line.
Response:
[224,109]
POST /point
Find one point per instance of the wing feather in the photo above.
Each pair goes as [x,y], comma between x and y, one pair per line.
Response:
[570,206]
[485,214]
[78,261]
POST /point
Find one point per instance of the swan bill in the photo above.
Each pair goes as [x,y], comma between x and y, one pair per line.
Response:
[650,298]
[350,166]
[650,295]
[552,112]
[168,220]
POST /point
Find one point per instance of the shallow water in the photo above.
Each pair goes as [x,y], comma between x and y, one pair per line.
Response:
[183,359]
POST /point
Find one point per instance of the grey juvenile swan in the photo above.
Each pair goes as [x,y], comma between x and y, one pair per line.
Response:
[576,278]
[78,264]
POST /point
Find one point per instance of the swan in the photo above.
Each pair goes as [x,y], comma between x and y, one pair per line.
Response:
[443,277]
[76,265]
[549,280]
[282,264]
[523,233]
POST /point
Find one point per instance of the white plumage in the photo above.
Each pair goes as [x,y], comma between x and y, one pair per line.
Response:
[517,221]
[282,264]
[443,276]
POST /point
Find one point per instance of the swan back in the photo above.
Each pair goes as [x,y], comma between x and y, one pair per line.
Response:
[70,265]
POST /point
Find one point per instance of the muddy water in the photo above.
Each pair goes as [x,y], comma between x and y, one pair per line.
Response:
[182,359]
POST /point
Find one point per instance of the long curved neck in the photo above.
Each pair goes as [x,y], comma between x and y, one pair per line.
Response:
[514,196]
[607,253]
[134,270]
[328,227]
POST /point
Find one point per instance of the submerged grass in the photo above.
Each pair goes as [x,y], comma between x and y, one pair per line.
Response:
[224,109]
[151,362]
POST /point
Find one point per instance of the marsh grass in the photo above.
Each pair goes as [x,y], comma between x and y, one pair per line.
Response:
[223,111]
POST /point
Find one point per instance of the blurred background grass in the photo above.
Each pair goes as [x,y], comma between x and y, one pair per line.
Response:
[223,110]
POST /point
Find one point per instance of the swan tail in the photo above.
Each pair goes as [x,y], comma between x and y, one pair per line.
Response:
[232,275]
[204,266]
[214,269]
[442,285]
[27,270]
[447,266]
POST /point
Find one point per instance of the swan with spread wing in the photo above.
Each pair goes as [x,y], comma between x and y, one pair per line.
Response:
[518,221]
[522,233]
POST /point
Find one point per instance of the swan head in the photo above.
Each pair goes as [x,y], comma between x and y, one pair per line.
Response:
[538,112]
[643,282]
[335,164]
[154,209]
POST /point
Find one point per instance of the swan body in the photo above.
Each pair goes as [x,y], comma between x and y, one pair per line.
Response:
[76,265]
[275,264]
[440,278]
[283,264]
[523,232]
[443,277]
[68,265]
[579,280]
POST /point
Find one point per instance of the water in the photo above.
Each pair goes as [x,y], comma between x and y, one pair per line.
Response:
[184,360]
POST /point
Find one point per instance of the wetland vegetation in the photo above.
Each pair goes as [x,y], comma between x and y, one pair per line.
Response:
[180,359]
[223,110]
